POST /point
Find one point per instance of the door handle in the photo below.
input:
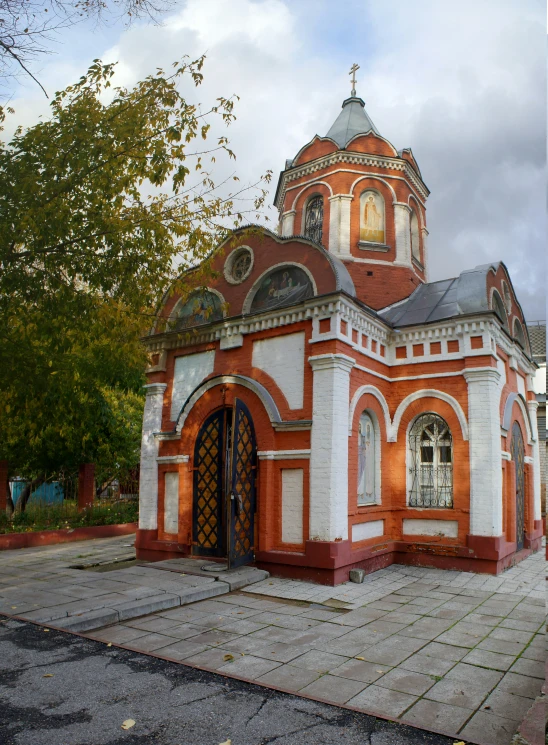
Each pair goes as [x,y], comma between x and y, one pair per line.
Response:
[240,504]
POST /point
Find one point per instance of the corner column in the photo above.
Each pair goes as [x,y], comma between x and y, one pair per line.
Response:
[485,452]
[148,478]
[329,447]
[288,223]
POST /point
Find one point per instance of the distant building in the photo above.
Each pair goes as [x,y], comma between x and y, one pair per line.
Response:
[322,406]
[537,336]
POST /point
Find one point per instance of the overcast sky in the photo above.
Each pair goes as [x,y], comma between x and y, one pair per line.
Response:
[462,84]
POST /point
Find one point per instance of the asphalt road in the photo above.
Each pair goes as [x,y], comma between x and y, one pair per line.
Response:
[60,689]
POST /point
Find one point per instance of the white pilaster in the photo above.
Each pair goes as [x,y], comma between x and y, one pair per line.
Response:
[402,216]
[339,224]
[148,477]
[288,223]
[484,444]
[329,447]
[532,407]
[425,253]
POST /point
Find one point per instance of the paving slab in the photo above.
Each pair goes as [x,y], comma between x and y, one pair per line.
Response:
[489,728]
[383,701]
[406,681]
[335,689]
[437,716]
[289,678]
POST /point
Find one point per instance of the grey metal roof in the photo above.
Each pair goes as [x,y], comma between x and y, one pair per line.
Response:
[537,337]
[447,298]
[353,120]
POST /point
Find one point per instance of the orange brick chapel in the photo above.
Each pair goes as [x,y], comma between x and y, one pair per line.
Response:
[322,406]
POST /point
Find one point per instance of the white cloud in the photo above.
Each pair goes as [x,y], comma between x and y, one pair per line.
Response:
[463,85]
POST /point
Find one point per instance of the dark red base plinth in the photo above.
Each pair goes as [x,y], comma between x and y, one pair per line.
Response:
[329,563]
[10,541]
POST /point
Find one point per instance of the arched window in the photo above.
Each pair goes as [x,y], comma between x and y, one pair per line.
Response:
[431,454]
[313,226]
[368,461]
[519,334]
[498,306]
[415,240]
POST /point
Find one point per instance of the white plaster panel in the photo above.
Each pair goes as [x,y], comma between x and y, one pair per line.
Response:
[189,373]
[148,475]
[537,514]
[521,385]
[171,502]
[539,381]
[484,443]
[449,528]
[292,505]
[329,447]
[282,357]
[362,531]
[403,233]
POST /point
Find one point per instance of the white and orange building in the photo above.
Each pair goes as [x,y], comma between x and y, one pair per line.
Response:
[322,406]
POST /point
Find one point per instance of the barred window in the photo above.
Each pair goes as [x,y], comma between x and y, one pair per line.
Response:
[313,227]
[431,451]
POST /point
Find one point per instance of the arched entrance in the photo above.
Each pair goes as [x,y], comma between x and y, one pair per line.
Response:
[225,470]
[518,457]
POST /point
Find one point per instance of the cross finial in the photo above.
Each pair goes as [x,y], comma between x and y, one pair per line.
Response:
[352,72]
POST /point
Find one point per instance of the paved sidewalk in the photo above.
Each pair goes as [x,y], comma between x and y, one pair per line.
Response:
[60,689]
[451,652]
[44,585]
[525,579]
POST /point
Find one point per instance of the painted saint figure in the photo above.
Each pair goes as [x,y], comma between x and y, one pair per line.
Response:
[372,228]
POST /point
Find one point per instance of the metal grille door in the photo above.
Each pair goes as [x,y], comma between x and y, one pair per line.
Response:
[241,504]
[518,456]
[208,524]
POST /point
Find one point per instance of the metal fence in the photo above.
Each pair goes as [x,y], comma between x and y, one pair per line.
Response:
[50,502]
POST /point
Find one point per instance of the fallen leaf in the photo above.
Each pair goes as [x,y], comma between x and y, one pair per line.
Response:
[128,724]
[228,657]
[109,644]
[45,629]
[13,607]
[379,671]
[182,575]
[48,675]
[460,742]
[242,654]
[360,658]
[226,742]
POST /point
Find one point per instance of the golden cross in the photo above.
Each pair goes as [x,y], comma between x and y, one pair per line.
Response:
[352,72]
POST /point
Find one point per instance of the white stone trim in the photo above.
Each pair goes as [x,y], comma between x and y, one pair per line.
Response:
[384,162]
[288,223]
[366,530]
[283,454]
[430,527]
[306,186]
[485,451]
[292,503]
[148,473]
[362,391]
[172,459]
[512,398]
[229,264]
[378,178]
[505,455]
[428,393]
[252,385]
[528,459]
[251,294]
[329,447]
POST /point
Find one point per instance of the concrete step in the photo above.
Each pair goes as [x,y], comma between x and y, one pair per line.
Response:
[94,613]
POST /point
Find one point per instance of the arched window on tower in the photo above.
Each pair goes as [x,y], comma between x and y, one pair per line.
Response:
[415,239]
[313,224]
[519,334]
[431,466]
[498,306]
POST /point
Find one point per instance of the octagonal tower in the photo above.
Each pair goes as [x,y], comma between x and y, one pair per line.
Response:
[363,200]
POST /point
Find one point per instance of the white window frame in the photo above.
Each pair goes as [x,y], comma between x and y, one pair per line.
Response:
[368,416]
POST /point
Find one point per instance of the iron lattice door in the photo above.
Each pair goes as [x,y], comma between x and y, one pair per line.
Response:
[241,505]
[208,525]
[518,456]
